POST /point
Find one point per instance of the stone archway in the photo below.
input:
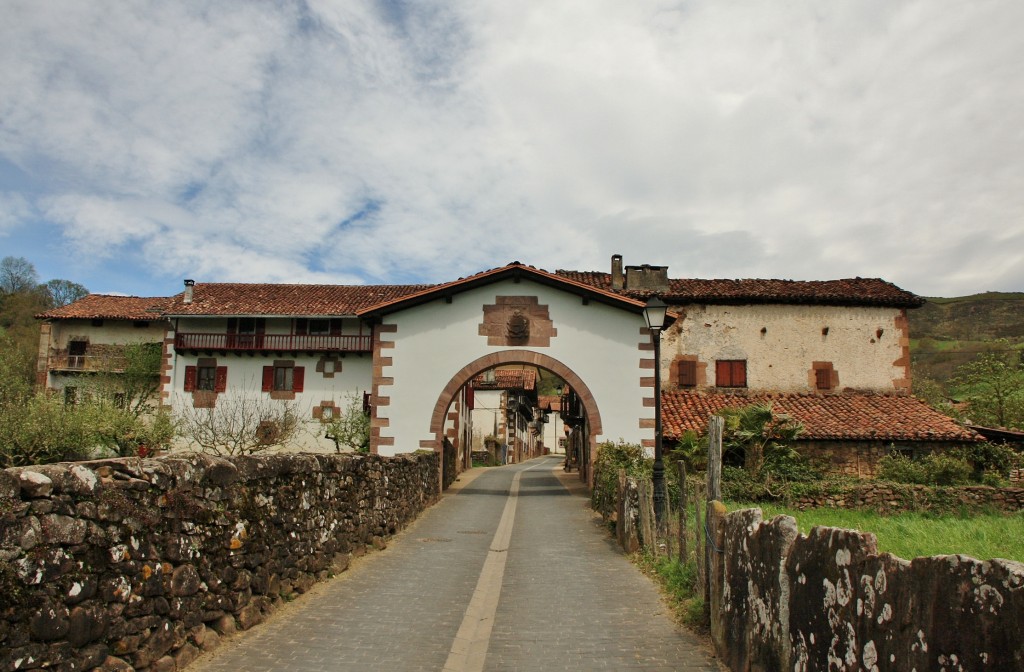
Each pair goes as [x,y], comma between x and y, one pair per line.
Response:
[466,373]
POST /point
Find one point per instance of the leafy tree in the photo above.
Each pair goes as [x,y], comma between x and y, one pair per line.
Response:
[17,274]
[350,427]
[63,292]
[993,386]
[241,423]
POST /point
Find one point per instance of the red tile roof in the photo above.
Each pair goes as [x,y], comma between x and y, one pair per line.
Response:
[217,298]
[847,292]
[508,379]
[516,270]
[109,307]
[851,417]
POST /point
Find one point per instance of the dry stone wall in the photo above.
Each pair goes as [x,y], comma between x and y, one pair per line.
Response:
[829,601]
[145,562]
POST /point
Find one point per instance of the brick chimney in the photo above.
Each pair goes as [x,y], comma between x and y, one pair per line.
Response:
[617,278]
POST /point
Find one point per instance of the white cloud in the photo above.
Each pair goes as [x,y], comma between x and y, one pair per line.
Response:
[399,141]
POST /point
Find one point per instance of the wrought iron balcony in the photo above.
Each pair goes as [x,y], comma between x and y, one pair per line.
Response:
[272,342]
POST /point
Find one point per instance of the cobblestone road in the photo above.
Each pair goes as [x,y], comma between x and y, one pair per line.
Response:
[510,573]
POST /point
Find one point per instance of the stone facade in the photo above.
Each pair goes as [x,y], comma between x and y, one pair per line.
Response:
[146,562]
[828,601]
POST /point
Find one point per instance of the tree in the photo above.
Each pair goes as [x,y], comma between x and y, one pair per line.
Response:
[759,435]
[63,292]
[350,427]
[239,423]
[993,386]
[17,274]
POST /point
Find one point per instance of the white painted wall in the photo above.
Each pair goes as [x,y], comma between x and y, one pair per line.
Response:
[435,340]
[113,332]
[781,358]
[245,376]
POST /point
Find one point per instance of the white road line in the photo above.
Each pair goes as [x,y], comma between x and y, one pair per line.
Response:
[469,650]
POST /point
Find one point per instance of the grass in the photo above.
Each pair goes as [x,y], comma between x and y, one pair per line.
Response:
[911,535]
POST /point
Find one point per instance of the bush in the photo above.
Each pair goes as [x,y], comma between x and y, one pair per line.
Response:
[611,458]
[997,458]
[932,469]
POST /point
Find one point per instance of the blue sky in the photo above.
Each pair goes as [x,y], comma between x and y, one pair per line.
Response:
[145,142]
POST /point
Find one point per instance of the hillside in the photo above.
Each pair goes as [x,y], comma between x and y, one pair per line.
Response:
[947,332]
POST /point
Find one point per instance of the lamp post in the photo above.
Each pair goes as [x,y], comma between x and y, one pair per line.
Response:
[654,314]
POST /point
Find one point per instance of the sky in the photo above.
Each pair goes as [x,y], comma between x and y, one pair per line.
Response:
[392,141]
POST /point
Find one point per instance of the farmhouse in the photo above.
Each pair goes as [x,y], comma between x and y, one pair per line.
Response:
[418,357]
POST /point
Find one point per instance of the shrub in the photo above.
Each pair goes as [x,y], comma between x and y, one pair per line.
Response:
[932,469]
[611,458]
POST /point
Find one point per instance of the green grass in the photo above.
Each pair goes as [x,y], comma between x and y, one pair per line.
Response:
[911,535]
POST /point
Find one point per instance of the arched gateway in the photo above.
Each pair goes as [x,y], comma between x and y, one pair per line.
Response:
[427,346]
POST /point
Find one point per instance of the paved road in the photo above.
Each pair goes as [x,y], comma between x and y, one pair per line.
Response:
[510,573]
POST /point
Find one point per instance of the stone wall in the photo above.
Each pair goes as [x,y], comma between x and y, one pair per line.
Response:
[894,497]
[829,601]
[145,562]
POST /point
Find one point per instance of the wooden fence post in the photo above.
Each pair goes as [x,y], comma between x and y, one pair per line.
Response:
[682,513]
[715,426]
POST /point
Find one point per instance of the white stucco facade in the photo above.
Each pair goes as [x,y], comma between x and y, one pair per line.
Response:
[431,343]
[348,374]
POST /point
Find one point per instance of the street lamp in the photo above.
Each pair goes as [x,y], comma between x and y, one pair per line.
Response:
[654,313]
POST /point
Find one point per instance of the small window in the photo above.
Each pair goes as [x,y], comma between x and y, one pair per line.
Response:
[825,377]
[77,348]
[327,414]
[206,378]
[731,373]
[283,378]
[140,324]
[687,370]
[97,323]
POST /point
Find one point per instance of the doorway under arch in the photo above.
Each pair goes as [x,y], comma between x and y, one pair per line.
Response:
[505,357]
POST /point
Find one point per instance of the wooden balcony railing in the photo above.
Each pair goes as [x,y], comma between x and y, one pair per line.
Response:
[273,342]
[60,360]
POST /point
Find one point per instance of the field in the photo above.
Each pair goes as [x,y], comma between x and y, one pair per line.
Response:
[912,535]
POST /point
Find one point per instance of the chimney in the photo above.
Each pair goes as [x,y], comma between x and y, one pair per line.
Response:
[617,272]
[653,278]
[189,288]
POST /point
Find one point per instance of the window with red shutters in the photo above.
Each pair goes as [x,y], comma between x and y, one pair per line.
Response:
[731,373]
[284,377]
[687,372]
[190,378]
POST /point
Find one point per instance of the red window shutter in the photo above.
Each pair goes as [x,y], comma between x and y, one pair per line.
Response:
[723,374]
[687,373]
[220,382]
[268,379]
[739,374]
[470,399]
[298,377]
[190,378]
[301,326]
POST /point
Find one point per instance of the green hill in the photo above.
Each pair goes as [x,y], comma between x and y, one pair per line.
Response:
[948,332]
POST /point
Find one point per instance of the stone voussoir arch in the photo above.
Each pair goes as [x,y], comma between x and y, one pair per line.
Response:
[466,374]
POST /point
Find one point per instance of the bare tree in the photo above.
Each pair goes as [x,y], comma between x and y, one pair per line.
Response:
[63,292]
[237,423]
[17,274]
